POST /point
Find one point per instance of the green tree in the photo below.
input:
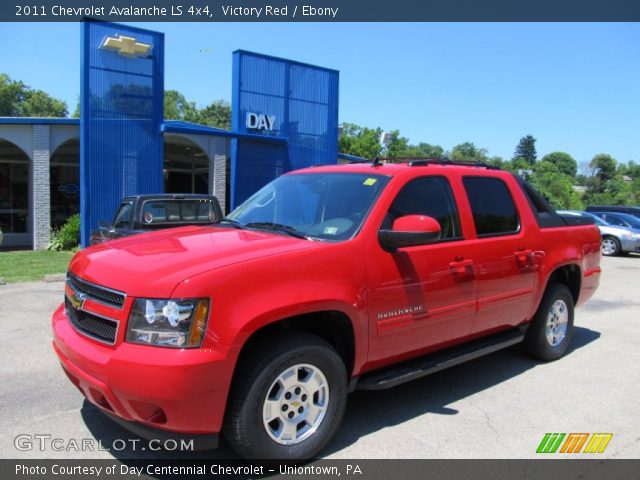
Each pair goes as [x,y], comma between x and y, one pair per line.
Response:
[398,146]
[467,151]
[218,115]
[565,162]
[76,112]
[20,100]
[177,107]
[604,165]
[526,149]
[632,169]
[429,150]
[555,185]
[360,141]
[496,161]
[40,104]
[11,96]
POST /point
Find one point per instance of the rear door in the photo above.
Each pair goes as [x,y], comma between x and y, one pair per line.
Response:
[505,260]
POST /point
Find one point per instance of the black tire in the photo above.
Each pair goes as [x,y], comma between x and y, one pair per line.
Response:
[255,379]
[610,246]
[539,342]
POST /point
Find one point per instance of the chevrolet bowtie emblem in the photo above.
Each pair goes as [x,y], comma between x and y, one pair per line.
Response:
[77,300]
[126,46]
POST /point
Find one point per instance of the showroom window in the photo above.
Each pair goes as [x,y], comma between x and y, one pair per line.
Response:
[186,167]
[64,182]
[14,189]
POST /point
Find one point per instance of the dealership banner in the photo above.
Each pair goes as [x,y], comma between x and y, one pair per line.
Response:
[320,469]
[320,10]
[122,85]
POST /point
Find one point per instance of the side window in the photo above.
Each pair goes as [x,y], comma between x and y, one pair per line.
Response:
[123,217]
[430,196]
[494,212]
[613,220]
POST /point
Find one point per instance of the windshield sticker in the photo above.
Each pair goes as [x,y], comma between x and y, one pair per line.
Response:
[330,230]
[370,181]
[148,217]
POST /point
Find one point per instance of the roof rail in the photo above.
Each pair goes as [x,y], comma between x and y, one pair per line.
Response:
[376,162]
[426,161]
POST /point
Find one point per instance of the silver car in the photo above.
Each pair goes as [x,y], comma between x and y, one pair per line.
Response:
[615,240]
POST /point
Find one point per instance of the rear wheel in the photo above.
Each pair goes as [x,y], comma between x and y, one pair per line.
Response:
[287,400]
[551,329]
[610,246]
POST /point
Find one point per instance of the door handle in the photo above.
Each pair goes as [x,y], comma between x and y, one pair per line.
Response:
[524,257]
[462,267]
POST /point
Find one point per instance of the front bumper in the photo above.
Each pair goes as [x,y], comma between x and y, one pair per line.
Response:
[183,391]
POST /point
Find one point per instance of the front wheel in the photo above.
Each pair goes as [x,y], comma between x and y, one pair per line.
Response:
[551,329]
[287,400]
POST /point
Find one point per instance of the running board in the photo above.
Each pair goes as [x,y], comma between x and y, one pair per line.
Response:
[419,367]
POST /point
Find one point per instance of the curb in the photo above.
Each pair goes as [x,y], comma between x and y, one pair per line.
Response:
[55,277]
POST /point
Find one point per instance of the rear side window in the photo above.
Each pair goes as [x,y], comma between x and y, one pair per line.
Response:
[494,212]
[178,211]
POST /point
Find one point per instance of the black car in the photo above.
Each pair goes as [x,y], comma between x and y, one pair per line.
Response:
[635,211]
[143,213]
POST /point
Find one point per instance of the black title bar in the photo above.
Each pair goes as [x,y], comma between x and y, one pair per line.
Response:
[321,10]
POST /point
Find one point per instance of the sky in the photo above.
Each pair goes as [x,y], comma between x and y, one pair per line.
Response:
[574,86]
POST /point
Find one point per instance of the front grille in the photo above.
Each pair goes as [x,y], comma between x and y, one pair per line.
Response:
[101,329]
[100,294]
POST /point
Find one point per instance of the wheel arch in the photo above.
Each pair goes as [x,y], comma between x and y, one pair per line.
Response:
[333,326]
[569,275]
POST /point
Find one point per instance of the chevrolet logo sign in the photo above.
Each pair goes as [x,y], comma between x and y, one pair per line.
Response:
[126,46]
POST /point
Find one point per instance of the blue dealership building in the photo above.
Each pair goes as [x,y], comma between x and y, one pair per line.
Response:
[284,117]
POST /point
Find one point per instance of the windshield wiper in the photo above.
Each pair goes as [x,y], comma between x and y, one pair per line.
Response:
[233,223]
[277,227]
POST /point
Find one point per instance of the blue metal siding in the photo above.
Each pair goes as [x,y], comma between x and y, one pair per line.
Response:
[304,100]
[120,127]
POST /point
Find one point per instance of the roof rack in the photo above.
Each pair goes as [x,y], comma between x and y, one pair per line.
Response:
[376,162]
[426,161]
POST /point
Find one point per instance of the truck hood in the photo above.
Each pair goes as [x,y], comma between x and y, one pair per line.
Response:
[152,264]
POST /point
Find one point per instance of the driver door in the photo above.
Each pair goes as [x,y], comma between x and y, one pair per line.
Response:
[423,296]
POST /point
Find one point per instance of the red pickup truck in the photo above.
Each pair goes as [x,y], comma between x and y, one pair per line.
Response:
[327,280]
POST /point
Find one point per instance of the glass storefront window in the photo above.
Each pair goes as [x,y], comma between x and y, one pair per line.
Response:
[186,167]
[14,189]
[65,182]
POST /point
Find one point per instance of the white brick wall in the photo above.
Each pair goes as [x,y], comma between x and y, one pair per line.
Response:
[218,174]
[41,201]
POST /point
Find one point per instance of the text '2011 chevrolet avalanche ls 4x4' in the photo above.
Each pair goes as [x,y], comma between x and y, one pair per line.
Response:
[327,280]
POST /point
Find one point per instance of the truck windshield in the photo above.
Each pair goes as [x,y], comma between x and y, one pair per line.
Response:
[322,206]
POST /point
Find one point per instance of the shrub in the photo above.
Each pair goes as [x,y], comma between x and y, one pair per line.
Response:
[68,237]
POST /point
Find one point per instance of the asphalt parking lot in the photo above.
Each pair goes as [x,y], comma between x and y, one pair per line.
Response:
[499,406]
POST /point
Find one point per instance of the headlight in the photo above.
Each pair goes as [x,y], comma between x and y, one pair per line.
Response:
[168,323]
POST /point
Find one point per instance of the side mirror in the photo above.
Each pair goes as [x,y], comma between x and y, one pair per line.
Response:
[410,231]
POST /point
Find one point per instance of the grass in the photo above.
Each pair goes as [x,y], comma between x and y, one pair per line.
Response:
[25,266]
